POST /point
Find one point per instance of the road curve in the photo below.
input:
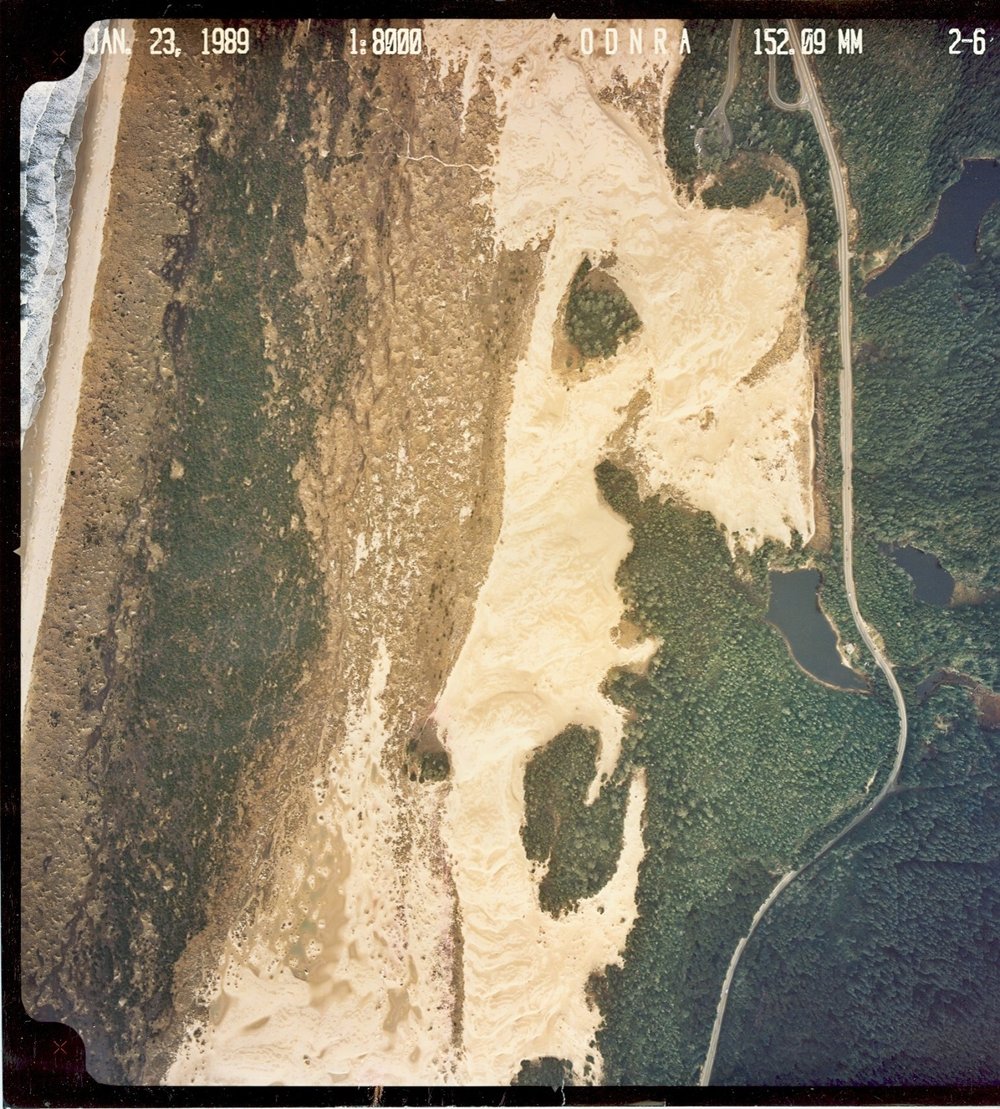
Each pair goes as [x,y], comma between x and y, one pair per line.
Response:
[719,111]
[772,89]
[810,101]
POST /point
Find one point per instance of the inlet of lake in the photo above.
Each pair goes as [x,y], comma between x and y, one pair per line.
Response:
[794,610]
[955,228]
[931,581]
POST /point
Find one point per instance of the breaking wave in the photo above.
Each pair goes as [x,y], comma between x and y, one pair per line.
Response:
[51,129]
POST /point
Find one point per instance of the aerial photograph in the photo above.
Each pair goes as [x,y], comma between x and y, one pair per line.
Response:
[510,558]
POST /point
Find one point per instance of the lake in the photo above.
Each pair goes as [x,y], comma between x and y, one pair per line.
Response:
[955,227]
[794,610]
[931,581]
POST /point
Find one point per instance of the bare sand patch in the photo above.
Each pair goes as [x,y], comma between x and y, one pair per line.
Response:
[716,291]
[435,961]
[302,987]
[49,442]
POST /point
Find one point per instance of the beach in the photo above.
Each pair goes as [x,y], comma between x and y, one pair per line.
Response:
[48,443]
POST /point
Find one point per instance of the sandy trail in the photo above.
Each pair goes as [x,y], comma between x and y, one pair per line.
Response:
[48,444]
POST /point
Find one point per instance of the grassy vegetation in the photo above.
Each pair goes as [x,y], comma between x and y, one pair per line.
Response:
[745,759]
[598,314]
[907,111]
[579,843]
[234,604]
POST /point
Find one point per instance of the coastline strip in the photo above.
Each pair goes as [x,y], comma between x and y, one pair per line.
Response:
[48,443]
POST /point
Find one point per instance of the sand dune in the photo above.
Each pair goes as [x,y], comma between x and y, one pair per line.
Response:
[577,171]
[713,290]
[302,997]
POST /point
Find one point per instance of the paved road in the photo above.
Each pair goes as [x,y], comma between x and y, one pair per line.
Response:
[732,72]
[772,89]
[811,102]
[815,107]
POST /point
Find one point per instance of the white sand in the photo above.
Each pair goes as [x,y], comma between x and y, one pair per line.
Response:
[49,443]
[715,290]
[310,999]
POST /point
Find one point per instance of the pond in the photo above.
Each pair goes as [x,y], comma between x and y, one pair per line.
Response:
[955,228]
[794,610]
[931,581]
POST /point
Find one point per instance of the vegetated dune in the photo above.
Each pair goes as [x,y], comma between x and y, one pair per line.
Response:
[373,967]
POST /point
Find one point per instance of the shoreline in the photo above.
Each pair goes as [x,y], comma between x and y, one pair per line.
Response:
[896,250]
[48,443]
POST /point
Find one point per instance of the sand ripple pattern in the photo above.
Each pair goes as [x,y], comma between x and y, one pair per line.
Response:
[578,170]
[713,290]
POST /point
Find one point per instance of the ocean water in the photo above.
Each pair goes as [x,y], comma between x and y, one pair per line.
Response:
[51,128]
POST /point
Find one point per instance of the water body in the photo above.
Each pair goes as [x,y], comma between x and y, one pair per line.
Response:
[51,129]
[794,610]
[955,227]
[931,581]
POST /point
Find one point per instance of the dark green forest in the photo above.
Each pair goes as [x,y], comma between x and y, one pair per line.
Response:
[880,966]
[889,952]
[746,759]
[927,394]
[746,182]
[598,314]
[579,843]
[927,458]
[546,1071]
[907,112]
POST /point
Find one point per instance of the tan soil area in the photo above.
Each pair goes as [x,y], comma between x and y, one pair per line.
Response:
[966,594]
[988,704]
